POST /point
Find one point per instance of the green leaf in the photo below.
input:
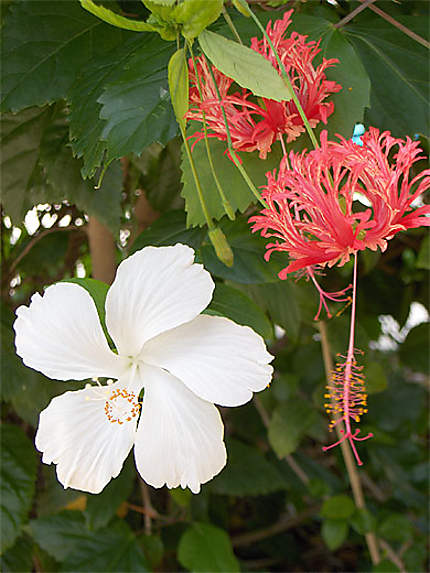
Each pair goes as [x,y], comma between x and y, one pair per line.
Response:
[196,15]
[232,303]
[136,105]
[396,527]
[204,547]
[414,350]
[47,255]
[376,378]
[18,476]
[178,85]
[397,68]
[169,229]
[181,497]
[86,126]
[160,175]
[261,477]
[334,532]
[12,369]
[279,299]
[289,424]
[63,176]
[102,507]
[350,103]
[385,566]
[245,66]
[103,202]
[115,19]
[363,521]
[65,537]
[51,495]
[45,45]
[98,291]
[161,21]
[153,548]
[154,3]
[239,194]
[38,167]
[248,250]
[18,559]
[59,534]
[415,557]
[338,507]
[423,260]
[188,18]
[113,549]
[21,139]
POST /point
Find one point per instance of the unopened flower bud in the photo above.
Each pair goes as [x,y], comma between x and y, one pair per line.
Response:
[221,246]
[242,7]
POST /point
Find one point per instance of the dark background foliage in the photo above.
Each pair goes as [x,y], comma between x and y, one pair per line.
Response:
[79,95]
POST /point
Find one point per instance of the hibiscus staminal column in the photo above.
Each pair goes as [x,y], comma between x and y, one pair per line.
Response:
[346,389]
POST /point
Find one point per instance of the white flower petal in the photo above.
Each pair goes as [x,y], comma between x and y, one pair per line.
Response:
[180,437]
[60,335]
[75,433]
[216,358]
[155,289]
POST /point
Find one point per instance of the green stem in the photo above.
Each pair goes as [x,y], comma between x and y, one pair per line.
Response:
[285,78]
[227,206]
[208,218]
[235,158]
[231,25]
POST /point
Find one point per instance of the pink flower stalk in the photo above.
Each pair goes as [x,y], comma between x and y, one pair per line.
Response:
[313,212]
[346,389]
[256,126]
[312,208]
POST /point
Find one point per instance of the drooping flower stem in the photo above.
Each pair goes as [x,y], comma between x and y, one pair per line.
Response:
[231,150]
[226,204]
[284,75]
[284,151]
[351,468]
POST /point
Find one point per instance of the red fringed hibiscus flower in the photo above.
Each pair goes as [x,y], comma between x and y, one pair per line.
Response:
[257,126]
[328,204]
[312,206]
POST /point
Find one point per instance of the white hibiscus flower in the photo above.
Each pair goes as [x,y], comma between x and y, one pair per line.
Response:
[184,361]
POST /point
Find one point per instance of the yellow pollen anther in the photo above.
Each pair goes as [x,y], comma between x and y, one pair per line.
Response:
[121,406]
